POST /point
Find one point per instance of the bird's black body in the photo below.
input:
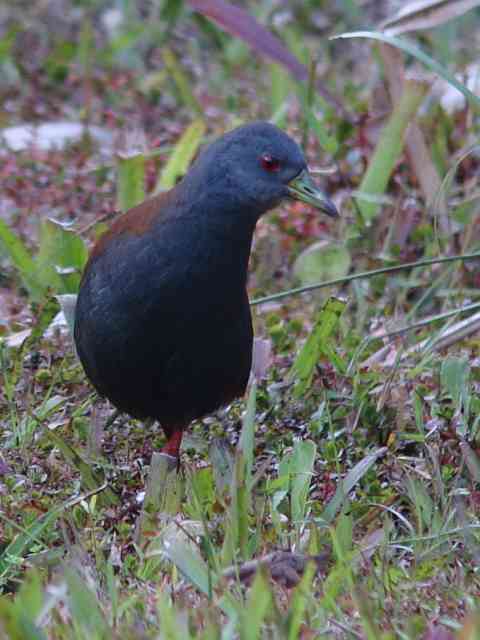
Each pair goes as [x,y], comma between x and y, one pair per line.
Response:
[163,328]
[163,325]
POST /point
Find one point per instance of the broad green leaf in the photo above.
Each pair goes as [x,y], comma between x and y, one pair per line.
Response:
[295,472]
[322,261]
[389,147]
[454,376]
[30,595]
[424,507]
[344,533]
[258,605]
[61,257]
[20,545]
[182,155]
[247,437]
[239,511]
[317,343]
[184,554]
[17,625]
[302,461]
[222,460]
[301,596]
[130,180]
[189,562]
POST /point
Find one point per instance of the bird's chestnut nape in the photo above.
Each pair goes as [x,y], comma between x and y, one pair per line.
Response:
[269,163]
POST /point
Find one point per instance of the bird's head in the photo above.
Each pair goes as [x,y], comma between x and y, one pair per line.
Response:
[254,167]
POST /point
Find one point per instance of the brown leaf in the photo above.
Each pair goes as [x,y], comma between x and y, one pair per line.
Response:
[285,567]
[240,24]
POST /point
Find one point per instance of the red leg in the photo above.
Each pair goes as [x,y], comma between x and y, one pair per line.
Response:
[172,446]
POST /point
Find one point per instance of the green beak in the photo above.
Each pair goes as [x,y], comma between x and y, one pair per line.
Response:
[303,188]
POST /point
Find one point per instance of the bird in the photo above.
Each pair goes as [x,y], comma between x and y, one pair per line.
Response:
[162,321]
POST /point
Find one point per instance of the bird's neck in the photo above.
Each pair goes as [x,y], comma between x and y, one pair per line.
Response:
[227,242]
[220,234]
[224,216]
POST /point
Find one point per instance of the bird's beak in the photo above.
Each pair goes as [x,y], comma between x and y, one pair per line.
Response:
[303,188]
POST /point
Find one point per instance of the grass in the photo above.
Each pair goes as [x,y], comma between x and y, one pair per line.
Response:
[340,499]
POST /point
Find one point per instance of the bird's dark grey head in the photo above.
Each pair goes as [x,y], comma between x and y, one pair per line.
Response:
[253,168]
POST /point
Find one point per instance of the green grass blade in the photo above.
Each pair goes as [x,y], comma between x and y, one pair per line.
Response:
[240,24]
[84,607]
[316,344]
[301,596]
[222,460]
[389,146]
[20,616]
[182,82]
[17,625]
[90,478]
[258,605]
[454,376]
[301,470]
[440,202]
[247,436]
[365,274]
[347,484]
[162,495]
[130,180]
[243,472]
[172,626]
[280,88]
[21,260]
[46,312]
[327,141]
[416,52]
[236,535]
[22,543]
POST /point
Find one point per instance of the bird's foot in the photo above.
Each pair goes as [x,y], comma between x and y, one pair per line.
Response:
[171,449]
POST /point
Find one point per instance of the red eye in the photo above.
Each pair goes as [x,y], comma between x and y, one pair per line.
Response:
[269,163]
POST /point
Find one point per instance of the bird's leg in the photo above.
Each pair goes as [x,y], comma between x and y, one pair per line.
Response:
[172,446]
